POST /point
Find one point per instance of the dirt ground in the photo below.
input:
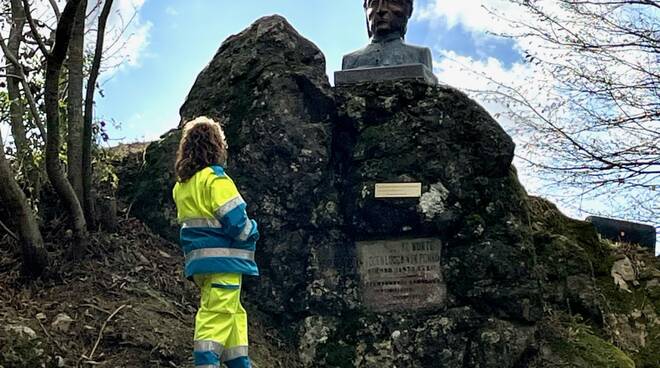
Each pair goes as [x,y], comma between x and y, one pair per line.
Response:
[127,304]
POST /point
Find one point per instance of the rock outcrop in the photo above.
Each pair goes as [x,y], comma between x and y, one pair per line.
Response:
[522,284]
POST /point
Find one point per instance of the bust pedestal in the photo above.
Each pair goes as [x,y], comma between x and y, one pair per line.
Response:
[418,72]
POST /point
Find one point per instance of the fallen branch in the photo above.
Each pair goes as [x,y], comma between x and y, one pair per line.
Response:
[11,233]
[95,307]
[98,339]
[46,331]
[128,211]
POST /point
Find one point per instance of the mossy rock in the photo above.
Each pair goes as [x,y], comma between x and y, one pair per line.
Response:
[557,235]
[588,350]
[146,184]
[649,356]
[623,303]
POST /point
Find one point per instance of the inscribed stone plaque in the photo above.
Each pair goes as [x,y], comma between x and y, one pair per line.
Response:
[401,274]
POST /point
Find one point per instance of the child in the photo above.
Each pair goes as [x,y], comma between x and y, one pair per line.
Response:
[218,240]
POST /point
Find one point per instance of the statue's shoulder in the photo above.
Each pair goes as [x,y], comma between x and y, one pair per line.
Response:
[420,49]
[349,59]
[359,52]
[423,54]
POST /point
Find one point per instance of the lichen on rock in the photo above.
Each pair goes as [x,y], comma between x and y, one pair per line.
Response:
[434,202]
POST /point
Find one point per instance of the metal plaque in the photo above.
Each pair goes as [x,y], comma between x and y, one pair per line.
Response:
[398,190]
[401,274]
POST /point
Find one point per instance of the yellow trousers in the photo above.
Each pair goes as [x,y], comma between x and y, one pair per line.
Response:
[221,333]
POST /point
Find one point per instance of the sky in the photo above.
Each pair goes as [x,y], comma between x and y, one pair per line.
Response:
[178,38]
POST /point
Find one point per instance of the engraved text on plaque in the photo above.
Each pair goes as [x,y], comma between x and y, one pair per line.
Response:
[401,274]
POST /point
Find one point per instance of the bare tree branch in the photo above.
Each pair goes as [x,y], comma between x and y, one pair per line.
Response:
[56,9]
[26,89]
[33,28]
[89,110]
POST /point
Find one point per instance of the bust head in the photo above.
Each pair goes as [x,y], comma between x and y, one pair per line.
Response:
[385,17]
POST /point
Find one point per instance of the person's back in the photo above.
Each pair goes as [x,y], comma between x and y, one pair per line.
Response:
[218,241]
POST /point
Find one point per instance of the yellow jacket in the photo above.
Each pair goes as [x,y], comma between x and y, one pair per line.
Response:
[216,233]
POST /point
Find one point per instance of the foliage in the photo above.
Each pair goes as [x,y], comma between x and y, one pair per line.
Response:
[105,173]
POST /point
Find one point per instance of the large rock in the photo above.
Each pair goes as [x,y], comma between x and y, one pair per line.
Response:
[146,183]
[436,135]
[512,270]
[268,87]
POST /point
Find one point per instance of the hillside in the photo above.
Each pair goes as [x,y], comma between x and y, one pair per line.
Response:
[125,305]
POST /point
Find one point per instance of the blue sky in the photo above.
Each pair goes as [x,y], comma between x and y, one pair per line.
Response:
[182,37]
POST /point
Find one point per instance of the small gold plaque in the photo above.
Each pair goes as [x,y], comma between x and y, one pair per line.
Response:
[398,190]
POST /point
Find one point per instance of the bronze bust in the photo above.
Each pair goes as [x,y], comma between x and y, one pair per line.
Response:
[387,22]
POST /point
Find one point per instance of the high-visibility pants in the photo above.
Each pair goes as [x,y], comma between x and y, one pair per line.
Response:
[221,334]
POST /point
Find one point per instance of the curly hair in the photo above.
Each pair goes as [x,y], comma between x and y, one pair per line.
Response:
[202,144]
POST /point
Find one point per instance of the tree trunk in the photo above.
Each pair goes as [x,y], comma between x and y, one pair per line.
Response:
[35,257]
[74,103]
[13,80]
[89,114]
[51,99]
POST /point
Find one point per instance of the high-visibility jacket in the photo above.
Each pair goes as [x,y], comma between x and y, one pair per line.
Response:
[216,234]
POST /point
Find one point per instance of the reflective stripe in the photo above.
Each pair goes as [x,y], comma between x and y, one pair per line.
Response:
[245,233]
[201,222]
[234,353]
[228,206]
[219,252]
[208,345]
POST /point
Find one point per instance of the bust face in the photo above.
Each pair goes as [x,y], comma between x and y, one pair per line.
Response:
[387,16]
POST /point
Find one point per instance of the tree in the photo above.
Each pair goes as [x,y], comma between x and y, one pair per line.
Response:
[590,109]
[17,75]
[16,110]
[35,257]
[75,102]
[89,111]
[64,40]
[54,61]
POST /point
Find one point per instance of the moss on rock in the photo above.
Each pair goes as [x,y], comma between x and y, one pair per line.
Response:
[588,350]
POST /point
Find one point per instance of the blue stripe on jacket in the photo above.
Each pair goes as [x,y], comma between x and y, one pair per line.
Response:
[192,238]
[226,264]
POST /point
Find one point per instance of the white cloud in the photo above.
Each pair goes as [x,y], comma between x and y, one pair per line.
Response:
[127,36]
[483,19]
[451,68]
[538,87]
[474,15]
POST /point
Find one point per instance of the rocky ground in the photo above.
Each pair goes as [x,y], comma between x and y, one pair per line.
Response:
[125,304]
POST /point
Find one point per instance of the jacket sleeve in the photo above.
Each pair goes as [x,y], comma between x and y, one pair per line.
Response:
[229,208]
